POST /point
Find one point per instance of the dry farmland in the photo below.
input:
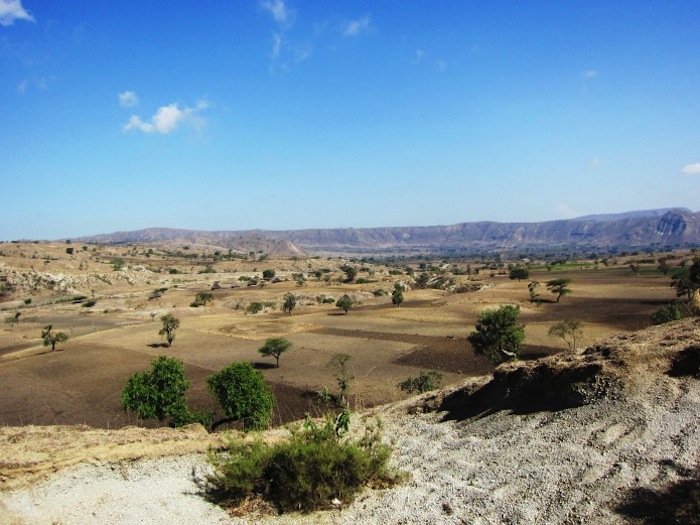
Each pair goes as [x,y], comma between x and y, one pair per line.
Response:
[118,335]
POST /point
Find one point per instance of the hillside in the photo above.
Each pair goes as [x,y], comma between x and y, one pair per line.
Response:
[667,227]
[610,435]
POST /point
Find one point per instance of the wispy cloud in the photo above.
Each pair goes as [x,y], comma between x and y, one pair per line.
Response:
[418,56]
[11,10]
[590,73]
[35,82]
[168,118]
[355,28]
[595,162]
[128,99]
[281,13]
[692,169]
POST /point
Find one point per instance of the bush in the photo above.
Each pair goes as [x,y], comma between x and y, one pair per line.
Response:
[666,314]
[379,292]
[89,304]
[319,463]
[201,299]
[423,383]
[243,394]
[258,306]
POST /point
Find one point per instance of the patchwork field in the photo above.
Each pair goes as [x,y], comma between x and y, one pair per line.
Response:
[81,381]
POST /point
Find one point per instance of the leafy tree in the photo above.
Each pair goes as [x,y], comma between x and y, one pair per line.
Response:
[519,273]
[69,251]
[350,272]
[569,330]
[170,325]
[686,281]
[423,383]
[559,287]
[52,338]
[498,334]
[344,303]
[201,299]
[243,394]
[534,294]
[422,280]
[158,393]
[290,302]
[397,295]
[275,347]
[268,274]
[664,267]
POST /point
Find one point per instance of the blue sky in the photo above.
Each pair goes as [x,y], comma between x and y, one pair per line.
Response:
[284,114]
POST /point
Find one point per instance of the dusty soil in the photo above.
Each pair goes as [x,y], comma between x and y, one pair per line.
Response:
[609,435]
[80,383]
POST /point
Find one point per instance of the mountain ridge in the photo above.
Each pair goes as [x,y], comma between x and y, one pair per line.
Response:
[673,227]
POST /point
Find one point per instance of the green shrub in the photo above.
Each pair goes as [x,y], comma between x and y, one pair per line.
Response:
[666,314]
[254,307]
[319,463]
[90,303]
[423,383]
[201,299]
[379,292]
[362,280]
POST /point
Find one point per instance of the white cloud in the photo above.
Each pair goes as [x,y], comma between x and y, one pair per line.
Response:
[11,10]
[441,65]
[590,73]
[357,27]
[128,99]
[277,41]
[595,162]
[168,118]
[282,14]
[692,169]
[419,56]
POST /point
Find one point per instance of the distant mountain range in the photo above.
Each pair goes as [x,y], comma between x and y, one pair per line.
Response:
[670,227]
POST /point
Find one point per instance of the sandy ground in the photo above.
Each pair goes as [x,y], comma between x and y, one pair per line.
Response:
[576,465]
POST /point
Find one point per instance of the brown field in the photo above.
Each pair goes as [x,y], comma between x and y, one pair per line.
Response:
[80,383]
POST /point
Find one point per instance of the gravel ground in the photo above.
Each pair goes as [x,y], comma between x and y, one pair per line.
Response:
[570,466]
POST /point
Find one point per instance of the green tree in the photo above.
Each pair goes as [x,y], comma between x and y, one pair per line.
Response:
[559,287]
[268,274]
[350,272]
[290,302]
[344,303]
[170,325]
[201,299]
[52,338]
[519,273]
[498,334]
[397,295]
[569,330]
[158,393]
[534,294]
[664,267]
[686,281]
[243,394]
[275,347]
